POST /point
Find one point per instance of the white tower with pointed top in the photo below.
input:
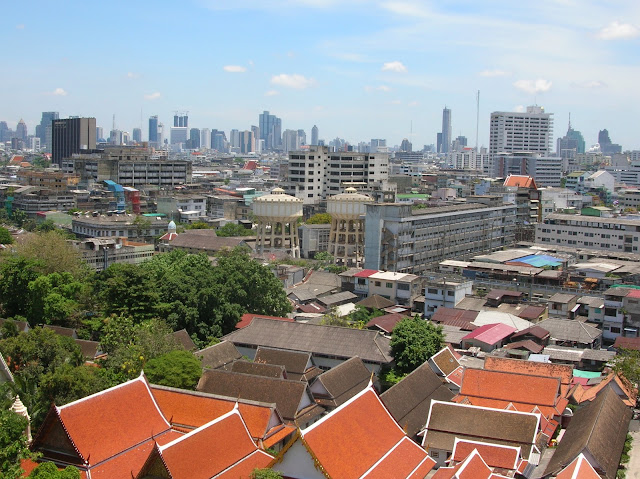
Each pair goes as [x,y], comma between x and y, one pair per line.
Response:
[21,410]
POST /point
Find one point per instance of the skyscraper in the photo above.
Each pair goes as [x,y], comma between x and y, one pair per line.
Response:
[314,135]
[153,130]
[194,138]
[21,130]
[515,132]
[270,130]
[234,138]
[606,146]
[406,145]
[70,135]
[205,138]
[290,140]
[137,135]
[247,142]
[41,129]
[570,144]
[302,137]
[181,120]
[99,134]
[446,131]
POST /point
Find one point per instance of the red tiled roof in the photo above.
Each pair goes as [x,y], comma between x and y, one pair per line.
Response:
[443,314]
[526,344]
[365,273]
[386,322]
[627,343]
[311,308]
[247,318]
[580,468]
[633,293]
[532,312]
[510,387]
[491,333]
[520,181]
[535,331]
[213,448]
[473,467]
[533,368]
[455,376]
[109,422]
[364,425]
[494,455]
[581,394]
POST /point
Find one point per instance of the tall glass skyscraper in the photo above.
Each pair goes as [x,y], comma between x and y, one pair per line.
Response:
[153,130]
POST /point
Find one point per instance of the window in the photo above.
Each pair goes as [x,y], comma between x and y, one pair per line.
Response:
[432,291]
[615,330]
[450,293]
[378,283]
[610,311]
[434,454]
[389,285]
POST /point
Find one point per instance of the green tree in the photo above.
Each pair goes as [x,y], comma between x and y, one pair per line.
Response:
[363,315]
[48,470]
[54,254]
[143,225]
[198,225]
[413,341]
[5,236]
[627,363]
[16,272]
[178,369]
[319,219]
[9,329]
[13,444]
[265,474]
[68,383]
[45,226]
[233,229]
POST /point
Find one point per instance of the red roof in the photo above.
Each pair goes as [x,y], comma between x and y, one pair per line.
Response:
[494,455]
[633,293]
[526,344]
[211,449]
[363,424]
[580,468]
[109,422]
[444,314]
[365,273]
[491,333]
[533,368]
[473,467]
[247,318]
[627,343]
[520,181]
[386,322]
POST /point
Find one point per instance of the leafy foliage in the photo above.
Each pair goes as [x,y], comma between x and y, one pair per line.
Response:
[198,225]
[5,236]
[13,444]
[265,474]
[55,255]
[319,219]
[233,229]
[48,470]
[627,363]
[413,341]
[178,369]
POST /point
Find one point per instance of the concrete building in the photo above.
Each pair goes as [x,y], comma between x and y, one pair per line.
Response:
[122,226]
[512,132]
[546,170]
[397,238]
[444,290]
[314,135]
[313,239]
[346,239]
[205,138]
[445,136]
[100,253]
[128,166]
[276,218]
[315,174]
[620,233]
[71,135]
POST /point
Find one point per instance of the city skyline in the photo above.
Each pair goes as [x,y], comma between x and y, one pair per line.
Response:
[357,70]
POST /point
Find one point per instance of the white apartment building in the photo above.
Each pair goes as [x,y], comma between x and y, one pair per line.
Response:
[512,132]
[444,291]
[399,239]
[316,174]
[467,159]
[620,233]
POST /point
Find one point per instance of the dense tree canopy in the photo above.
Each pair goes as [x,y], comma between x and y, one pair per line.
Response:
[319,219]
[178,369]
[13,444]
[627,363]
[233,229]
[5,236]
[47,470]
[413,341]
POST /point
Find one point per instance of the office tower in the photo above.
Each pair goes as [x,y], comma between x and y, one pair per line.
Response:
[570,144]
[606,146]
[41,129]
[277,133]
[378,145]
[137,135]
[126,139]
[205,138]
[439,143]
[4,131]
[515,132]
[445,138]
[34,143]
[115,137]
[290,140]
[70,135]
[256,138]
[234,138]
[21,130]
[178,134]
[270,130]
[314,135]
[181,120]
[218,140]
[302,137]
[153,131]
[99,134]
[246,141]
[160,142]
[194,138]
[406,145]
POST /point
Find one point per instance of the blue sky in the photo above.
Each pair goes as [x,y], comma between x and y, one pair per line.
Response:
[359,69]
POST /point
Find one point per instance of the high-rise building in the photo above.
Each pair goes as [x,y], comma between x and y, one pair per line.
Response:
[270,130]
[181,120]
[246,141]
[571,144]
[178,134]
[137,135]
[160,142]
[290,140]
[606,146]
[517,132]
[116,138]
[205,138]
[314,135]
[256,138]
[234,138]
[302,137]
[194,138]
[153,131]
[446,131]
[41,129]
[21,130]
[378,146]
[70,135]
[218,140]
[406,145]
[99,134]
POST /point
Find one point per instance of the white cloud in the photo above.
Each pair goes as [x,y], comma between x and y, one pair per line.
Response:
[234,69]
[152,96]
[413,103]
[20,26]
[617,30]
[396,66]
[383,88]
[59,92]
[395,102]
[298,82]
[590,84]
[406,8]
[494,73]
[519,108]
[533,86]
[272,93]
[133,75]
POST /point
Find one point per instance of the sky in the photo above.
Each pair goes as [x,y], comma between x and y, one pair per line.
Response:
[358,69]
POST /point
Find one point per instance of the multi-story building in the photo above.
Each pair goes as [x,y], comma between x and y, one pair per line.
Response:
[315,174]
[546,170]
[33,200]
[444,145]
[44,127]
[49,179]
[444,290]
[313,239]
[621,233]
[178,135]
[401,288]
[71,135]
[121,226]
[128,166]
[205,138]
[398,238]
[270,130]
[466,159]
[153,131]
[314,135]
[530,131]
[136,135]
[100,253]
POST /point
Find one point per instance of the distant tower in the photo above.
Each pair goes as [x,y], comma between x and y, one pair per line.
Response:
[153,130]
[346,239]
[21,130]
[314,135]
[137,135]
[446,130]
[277,216]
